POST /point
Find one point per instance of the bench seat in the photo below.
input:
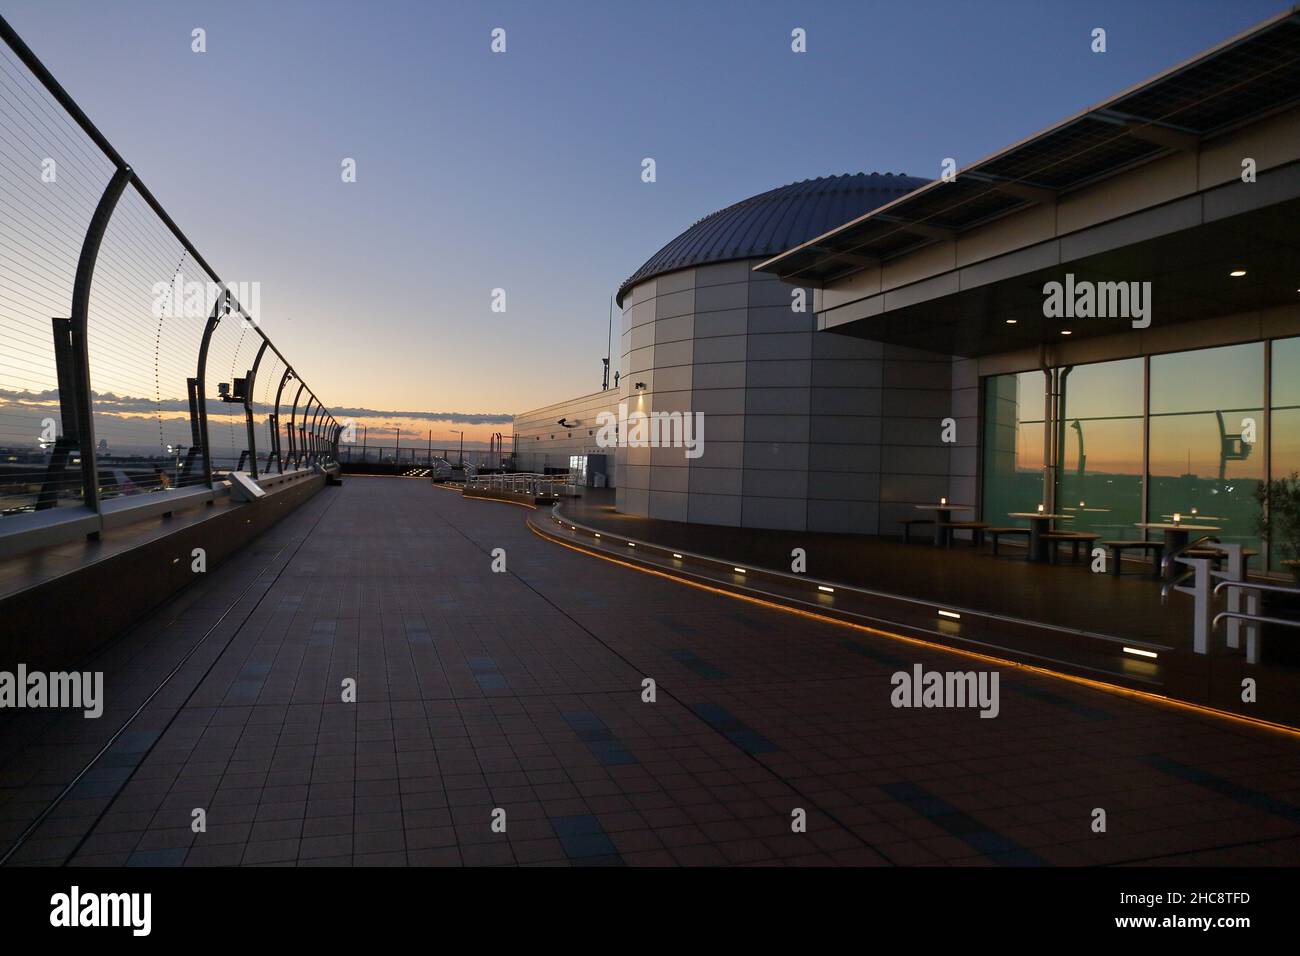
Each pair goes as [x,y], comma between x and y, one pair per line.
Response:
[1075,538]
[1117,549]
[993,534]
[975,527]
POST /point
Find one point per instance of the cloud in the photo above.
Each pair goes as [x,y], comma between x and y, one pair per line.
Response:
[109,403]
[460,418]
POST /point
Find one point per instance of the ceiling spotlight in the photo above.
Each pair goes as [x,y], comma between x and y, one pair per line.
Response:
[1012,321]
[1066,332]
[1237,273]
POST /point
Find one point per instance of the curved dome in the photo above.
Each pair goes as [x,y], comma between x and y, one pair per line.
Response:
[774,221]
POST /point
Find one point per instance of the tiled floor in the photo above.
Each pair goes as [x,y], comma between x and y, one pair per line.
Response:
[1066,594]
[500,719]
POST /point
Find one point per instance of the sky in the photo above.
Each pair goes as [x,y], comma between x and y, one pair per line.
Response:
[522,170]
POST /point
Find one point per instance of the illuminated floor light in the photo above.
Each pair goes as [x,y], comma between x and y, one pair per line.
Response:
[1141,653]
[1115,689]
[952,614]
[822,587]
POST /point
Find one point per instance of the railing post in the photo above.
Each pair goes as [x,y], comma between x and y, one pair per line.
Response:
[307,445]
[293,415]
[315,430]
[202,382]
[248,411]
[79,327]
[1202,616]
[275,431]
[1236,571]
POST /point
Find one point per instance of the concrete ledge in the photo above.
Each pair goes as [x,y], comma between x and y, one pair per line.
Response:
[59,621]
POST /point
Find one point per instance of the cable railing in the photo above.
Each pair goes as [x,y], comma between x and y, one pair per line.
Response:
[419,454]
[525,484]
[128,367]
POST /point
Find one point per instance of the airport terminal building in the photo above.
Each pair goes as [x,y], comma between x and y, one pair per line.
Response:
[1102,319]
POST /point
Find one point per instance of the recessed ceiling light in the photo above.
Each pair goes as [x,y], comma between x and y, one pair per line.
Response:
[1012,321]
[1066,332]
[1237,273]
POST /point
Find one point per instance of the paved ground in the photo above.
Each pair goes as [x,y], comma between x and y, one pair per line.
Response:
[521,691]
[1067,594]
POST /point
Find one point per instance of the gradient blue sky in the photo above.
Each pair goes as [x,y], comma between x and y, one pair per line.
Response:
[522,170]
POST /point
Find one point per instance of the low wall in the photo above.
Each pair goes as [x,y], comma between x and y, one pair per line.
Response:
[59,622]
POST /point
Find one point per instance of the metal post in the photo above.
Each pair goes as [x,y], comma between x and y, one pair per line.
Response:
[304,447]
[1202,617]
[202,382]
[279,457]
[293,414]
[248,410]
[315,430]
[79,326]
[1266,545]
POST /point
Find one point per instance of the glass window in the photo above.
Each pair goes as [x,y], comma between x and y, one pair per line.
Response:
[1206,431]
[1100,478]
[1013,444]
[1286,417]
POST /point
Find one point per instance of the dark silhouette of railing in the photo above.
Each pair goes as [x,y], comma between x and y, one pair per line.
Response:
[129,370]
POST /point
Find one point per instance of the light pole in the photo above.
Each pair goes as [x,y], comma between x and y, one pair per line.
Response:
[461,454]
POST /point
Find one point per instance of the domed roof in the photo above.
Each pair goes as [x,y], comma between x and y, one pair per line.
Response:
[775,221]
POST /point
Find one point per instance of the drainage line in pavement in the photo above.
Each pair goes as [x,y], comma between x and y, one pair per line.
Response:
[44,814]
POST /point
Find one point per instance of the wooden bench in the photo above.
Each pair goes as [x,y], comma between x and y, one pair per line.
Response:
[975,527]
[993,534]
[1075,538]
[907,527]
[1117,549]
[1217,556]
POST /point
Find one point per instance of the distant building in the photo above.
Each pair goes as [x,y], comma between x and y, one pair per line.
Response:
[1103,319]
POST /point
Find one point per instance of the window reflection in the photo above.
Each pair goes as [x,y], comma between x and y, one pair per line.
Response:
[1100,480]
[1013,444]
[1285,431]
[1207,426]
[1205,438]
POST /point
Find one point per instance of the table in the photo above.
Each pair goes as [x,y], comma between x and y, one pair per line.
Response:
[942,515]
[1176,536]
[1039,523]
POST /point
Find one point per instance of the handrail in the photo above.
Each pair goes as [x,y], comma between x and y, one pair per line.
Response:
[1255,586]
[1174,583]
[76,394]
[1258,618]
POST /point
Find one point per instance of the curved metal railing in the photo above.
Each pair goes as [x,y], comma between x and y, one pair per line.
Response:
[129,369]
